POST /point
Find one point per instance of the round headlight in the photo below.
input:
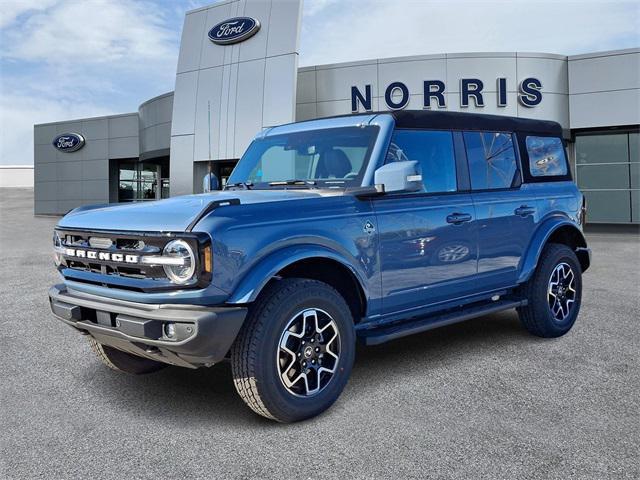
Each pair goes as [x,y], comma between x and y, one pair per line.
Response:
[185,265]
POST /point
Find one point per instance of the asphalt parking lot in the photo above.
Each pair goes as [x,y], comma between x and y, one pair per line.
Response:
[482,399]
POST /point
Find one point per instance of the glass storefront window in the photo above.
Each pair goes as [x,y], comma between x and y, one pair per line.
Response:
[141,181]
[611,148]
[608,172]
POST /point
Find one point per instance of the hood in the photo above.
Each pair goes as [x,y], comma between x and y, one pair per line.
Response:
[173,214]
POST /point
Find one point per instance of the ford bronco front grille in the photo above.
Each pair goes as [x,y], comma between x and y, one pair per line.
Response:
[115,259]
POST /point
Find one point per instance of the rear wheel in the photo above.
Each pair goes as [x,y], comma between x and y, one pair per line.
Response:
[294,354]
[122,361]
[554,293]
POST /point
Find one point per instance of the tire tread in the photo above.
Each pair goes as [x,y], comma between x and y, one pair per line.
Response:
[244,352]
[532,316]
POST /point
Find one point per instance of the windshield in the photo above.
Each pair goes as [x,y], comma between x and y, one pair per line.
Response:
[331,157]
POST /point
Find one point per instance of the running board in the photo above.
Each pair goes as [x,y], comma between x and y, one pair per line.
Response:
[384,334]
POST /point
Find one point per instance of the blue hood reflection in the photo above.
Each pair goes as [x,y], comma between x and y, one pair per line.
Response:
[170,215]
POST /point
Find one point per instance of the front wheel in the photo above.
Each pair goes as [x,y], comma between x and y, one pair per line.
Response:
[294,354]
[554,293]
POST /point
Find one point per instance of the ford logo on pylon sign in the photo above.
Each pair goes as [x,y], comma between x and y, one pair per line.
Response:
[234,30]
[68,142]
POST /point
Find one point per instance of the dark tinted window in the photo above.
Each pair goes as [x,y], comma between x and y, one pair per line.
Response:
[546,156]
[433,150]
[492,159]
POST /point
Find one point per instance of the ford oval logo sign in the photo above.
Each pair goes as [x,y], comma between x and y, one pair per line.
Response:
[68,142]
[234,30]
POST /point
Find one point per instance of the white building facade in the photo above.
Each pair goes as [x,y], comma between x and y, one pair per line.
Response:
[238,72]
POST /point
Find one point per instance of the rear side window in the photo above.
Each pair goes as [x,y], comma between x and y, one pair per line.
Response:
[492,160]
[546,156]
[433,150]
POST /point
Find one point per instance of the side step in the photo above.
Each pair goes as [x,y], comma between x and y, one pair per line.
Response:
[384,334]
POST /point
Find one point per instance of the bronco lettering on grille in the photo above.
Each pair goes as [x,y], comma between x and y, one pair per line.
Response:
[105,256]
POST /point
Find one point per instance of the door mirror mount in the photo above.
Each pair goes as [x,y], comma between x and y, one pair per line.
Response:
[398,177]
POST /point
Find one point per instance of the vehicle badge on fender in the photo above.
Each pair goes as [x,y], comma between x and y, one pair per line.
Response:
[368,228]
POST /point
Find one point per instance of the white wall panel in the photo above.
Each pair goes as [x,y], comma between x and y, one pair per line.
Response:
[184,104]
[605,89]
[191,42]
[279,102]
[306,111]
[257,47]
[487,69]
[552,72]
[246,86]
[553,107]
[604,73]
[411,73]
[249,104]
[181,173]
[306,87]
[44,134]
[490,104]
[604,109]
[284,31]
[213,55]
[335,83]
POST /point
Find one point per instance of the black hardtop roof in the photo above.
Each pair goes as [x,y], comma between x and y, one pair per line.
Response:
[472,121]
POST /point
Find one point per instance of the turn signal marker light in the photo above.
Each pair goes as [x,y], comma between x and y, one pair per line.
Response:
[207,259]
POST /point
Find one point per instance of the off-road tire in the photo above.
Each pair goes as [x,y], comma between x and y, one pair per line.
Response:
[254,354]
[537,316]
[122,361]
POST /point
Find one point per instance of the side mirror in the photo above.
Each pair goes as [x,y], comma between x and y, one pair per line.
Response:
[399,177]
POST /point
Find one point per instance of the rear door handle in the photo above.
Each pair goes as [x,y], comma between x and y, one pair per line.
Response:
[524,211]
[458,218]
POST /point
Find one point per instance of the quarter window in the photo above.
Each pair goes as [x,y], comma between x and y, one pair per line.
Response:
[546,156]
[433,150]
[492,160]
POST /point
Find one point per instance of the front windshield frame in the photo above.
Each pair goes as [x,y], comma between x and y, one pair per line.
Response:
[241,172]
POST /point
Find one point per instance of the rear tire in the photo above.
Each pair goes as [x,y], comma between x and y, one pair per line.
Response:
[295,351]
[554,293]
[122,361]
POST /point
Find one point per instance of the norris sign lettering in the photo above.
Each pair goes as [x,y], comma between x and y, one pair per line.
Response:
[396,95]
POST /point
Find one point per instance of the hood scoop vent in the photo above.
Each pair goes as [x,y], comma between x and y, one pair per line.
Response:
[209,208]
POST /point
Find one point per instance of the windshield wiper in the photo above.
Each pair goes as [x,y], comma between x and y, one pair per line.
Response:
[285,183]
[241,185]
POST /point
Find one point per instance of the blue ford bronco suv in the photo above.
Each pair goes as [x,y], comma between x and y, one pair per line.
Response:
[366,227]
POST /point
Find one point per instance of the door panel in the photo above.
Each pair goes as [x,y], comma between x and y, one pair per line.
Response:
[506,210]
[428,249]
[505,223]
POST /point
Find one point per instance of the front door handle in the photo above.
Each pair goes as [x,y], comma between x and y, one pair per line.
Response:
[524,211]
[458,218]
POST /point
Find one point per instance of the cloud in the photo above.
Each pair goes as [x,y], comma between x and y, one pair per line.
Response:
[313,7]
[377,29]
[12,9]
[96,31]
[65,59]
[73,59]
[18,114]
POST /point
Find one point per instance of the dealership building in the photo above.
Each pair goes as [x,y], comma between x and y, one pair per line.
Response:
[238,72]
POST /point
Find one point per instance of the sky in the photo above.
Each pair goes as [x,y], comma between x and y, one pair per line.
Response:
[65,59]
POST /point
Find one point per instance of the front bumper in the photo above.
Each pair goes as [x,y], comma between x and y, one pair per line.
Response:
[204,334]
